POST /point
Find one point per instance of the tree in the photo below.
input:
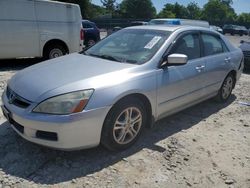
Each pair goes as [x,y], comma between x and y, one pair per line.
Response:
[180,11]
[244,18]
[96,11]
[194,11]
[227,2]
[167,11]
[173,11]
[109,5]
[217,11]
[137,9]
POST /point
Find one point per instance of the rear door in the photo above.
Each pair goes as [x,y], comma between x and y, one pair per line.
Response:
[180,86]
[18,33]
[217,58]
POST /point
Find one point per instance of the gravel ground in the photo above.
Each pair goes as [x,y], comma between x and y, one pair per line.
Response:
[207,145]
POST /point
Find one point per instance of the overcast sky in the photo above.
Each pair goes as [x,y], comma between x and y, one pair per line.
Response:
[238,5]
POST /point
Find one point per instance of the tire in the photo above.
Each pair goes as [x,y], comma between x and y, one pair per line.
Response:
[226,89]
[54,51]
[91,42]
[117,132]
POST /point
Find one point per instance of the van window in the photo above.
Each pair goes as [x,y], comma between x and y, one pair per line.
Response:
[212,45]
[188,45]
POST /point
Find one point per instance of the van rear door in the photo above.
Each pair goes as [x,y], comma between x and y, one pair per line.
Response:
[19,32]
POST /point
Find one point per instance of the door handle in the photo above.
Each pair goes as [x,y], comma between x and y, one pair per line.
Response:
[200,68]
[228,59]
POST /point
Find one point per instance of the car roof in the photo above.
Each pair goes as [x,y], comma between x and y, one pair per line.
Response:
[157,27]
[180,21]
[87,21]
[170,28]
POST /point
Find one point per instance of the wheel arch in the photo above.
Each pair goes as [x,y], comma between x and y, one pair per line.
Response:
[234,73]
[55,42]
[145,100]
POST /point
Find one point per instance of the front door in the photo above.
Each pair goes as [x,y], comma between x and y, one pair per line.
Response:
[179,86]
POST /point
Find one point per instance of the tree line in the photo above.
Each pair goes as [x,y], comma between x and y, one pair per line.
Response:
[214,11]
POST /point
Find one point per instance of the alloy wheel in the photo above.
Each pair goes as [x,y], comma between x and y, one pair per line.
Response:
[127,125]
[227,87]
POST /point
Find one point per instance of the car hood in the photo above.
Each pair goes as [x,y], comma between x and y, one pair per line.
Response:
[65,74]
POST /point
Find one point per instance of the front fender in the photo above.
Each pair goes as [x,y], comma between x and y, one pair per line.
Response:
[109,96]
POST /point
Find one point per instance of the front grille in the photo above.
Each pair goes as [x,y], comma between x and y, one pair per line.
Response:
[16,99]
[246,54]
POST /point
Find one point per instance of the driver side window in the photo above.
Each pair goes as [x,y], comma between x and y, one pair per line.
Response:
[189,45]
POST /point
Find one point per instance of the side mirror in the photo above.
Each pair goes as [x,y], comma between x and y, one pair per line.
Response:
[177,59]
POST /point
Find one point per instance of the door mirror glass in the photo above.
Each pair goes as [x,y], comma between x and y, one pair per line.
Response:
[177,59]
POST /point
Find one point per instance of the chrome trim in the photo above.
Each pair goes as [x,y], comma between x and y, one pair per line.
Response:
[16,100]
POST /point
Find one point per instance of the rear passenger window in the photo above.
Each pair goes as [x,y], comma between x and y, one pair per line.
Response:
[212,45]
[188,45]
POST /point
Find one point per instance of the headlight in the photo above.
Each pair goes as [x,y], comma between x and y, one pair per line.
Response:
[65,104]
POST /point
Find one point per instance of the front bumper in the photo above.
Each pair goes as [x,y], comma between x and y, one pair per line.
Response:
[64,132]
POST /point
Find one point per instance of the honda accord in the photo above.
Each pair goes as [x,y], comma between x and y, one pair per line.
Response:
[110,92]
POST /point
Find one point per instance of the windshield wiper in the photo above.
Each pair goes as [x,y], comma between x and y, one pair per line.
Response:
[112,58]
[130,61]
[108,57]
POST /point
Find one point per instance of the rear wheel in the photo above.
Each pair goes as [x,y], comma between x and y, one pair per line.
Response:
[123,124]
[226,89]
[91,42]
[54,51]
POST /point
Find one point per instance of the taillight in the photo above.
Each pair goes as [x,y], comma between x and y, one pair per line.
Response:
[82,34]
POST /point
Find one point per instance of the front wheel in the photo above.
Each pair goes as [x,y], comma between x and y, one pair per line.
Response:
[226,89]
[123,124]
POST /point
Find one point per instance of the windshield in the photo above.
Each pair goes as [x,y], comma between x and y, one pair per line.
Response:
[135,46]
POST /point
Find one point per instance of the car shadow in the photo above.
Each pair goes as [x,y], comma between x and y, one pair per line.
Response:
[246,71]
[41,165]
[17,64]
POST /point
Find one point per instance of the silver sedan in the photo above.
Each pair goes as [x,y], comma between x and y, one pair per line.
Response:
[111,91]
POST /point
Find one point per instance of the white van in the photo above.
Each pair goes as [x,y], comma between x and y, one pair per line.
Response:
[177,21]
[39,28]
